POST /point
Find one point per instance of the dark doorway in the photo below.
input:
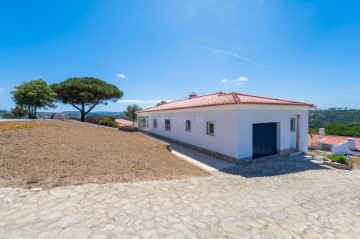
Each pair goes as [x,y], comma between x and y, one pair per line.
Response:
[264,139]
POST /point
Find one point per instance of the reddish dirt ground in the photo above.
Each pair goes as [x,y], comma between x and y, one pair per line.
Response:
[53,153]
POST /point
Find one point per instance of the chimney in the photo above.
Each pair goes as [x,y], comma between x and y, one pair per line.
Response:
[192,95]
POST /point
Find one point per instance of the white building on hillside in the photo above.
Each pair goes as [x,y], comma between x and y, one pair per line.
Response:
[233,126]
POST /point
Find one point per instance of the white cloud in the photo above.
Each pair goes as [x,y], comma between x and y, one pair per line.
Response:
[239,81]
[2,89]
[122,76]
[228,53]
[140,101]
[223,81]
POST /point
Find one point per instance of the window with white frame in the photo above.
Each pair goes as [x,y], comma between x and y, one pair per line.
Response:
[167,124]
[210,128]
[143,122]
[292,124]
[154,123]
[187,125]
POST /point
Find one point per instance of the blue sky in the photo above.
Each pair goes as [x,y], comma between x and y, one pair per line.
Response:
[162,50]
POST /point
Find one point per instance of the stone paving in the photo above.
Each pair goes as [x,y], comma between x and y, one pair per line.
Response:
[316,203]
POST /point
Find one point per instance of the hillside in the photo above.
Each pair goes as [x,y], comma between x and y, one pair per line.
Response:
[344,122]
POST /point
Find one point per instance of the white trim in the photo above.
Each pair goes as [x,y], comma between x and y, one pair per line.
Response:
[234,106]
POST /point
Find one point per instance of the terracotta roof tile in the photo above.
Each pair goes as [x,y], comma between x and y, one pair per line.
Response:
[332,141]
[222,98]
[315,138]
[124,122]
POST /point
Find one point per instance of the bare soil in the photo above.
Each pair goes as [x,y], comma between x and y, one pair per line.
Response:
[54,153]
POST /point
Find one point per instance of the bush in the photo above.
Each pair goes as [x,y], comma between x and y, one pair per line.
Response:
[129,128]
[93,119]
[342,129]
[338,158]
[109,121]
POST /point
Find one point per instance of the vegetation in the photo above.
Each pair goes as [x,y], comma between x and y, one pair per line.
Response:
[109,121]
[338,158]
[130,112]
[129,128]
[34,95]
[86,92]
[19,112]
[163,102]
[336,121]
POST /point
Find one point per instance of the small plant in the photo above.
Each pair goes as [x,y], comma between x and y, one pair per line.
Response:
[338,158]
[129,128]
[108,121]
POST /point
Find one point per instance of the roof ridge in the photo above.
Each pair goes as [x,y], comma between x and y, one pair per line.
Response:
[270,98]
[221,98]
[174,101]
[236,97]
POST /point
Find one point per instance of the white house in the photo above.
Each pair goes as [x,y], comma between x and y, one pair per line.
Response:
[233,126]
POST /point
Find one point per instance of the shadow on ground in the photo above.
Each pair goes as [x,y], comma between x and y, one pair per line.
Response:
[273,166]
[203,158]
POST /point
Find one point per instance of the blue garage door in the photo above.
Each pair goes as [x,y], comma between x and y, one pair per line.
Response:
[264,139]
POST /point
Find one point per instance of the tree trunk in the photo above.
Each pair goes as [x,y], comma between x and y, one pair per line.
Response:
[133,121]
[29,111]
[83,115]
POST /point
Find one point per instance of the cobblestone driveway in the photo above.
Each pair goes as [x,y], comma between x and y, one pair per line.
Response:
[307,204]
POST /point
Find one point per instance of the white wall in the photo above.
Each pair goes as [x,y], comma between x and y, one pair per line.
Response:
[233,126]
[224,139]
[281,116]
[340,149]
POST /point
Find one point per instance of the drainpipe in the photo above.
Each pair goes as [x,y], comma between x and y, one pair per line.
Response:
[297,133]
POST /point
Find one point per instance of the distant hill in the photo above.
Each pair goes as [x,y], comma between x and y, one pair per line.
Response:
[336,121]
[3,111]
[105,113]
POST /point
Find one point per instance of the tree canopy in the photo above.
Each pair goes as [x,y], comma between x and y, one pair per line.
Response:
[19,111]
[85,93]
[163,102]
[33,95]
[131,112]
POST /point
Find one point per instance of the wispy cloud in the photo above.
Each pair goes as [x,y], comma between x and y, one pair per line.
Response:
[122,76]
[219,51]
[223,81]
[2,90]
[140,101]
[239,81]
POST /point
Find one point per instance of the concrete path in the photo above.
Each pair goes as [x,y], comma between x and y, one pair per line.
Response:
[203,160]
[311,203]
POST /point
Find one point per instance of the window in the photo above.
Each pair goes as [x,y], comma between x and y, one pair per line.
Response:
[154,123]
[167,124]
[292,124]
[143,122]
[188,125]
[210,128]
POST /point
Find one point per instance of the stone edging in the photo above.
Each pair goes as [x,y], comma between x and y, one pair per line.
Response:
[330,163]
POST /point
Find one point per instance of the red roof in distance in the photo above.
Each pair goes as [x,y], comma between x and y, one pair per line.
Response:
[222,98]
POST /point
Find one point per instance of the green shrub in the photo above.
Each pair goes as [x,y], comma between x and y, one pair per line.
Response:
[129,128]
[109,121]
[342,129]
[94,119]
[338,158]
